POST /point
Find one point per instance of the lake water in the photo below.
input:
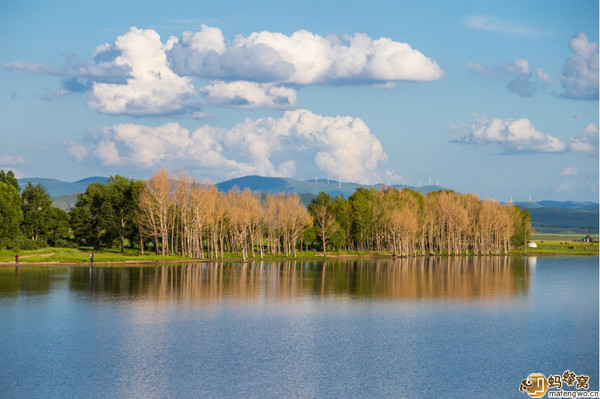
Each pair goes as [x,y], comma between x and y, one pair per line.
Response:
[410,328]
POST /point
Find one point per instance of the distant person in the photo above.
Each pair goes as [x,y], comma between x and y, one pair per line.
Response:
[17,258]
[92,257]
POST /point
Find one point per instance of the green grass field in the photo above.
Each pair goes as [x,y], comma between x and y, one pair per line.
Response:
[557,247]
[561,237]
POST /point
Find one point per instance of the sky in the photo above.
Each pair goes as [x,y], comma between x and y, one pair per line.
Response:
[495,98]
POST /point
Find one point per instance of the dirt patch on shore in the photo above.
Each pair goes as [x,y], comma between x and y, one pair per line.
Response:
[33,255]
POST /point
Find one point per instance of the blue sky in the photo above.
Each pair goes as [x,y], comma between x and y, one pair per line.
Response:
[478,96]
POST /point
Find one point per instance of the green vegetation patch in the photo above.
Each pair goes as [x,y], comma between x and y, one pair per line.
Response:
[561,248]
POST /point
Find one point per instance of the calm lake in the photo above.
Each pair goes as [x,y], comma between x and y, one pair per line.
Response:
[409,328]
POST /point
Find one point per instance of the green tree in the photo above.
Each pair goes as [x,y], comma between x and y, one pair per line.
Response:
[11,214]
[91,219]
[309,236]
[326,226]
[342,212]
[522,230]
[10,179]
[58,229]
[106,212]
[123,194]
[36,205]
[362,217]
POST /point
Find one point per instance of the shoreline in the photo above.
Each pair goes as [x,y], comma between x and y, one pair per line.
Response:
[273,259]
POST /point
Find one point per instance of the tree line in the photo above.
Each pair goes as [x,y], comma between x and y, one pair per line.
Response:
[405,222]
[183,216]
[27,218]
[178,215]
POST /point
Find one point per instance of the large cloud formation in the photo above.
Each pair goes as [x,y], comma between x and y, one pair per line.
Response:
[579,77]
[510,135]
[341,146]
[140,75]
[302,58]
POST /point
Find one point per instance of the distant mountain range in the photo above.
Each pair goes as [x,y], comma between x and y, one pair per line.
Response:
[57,188]
[546,216]
[64,190]
[557,204]
[315,186]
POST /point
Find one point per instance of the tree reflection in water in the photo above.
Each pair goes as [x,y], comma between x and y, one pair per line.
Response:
[447,278]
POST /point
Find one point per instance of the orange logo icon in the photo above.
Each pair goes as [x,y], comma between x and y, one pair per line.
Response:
[535,385]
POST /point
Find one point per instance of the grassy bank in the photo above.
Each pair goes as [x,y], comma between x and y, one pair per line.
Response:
[72,255]
[82,255]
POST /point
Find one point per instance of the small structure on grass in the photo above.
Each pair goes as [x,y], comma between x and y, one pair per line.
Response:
[531,245]
[587,238]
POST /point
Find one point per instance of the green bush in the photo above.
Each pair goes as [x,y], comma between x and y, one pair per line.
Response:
[26,243]
[62,243]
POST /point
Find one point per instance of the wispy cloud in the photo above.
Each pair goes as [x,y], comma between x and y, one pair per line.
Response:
[11,160]
[8,162]
[521,80]
[493,24]
[586,141]
[569,171]
[563,188]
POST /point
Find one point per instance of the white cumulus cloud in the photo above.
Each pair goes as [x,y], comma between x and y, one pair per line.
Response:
[302,58]
[340,146]
[511,135]
[249,95]
[579,77]
[153,87]
[586,141]
[140,75]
